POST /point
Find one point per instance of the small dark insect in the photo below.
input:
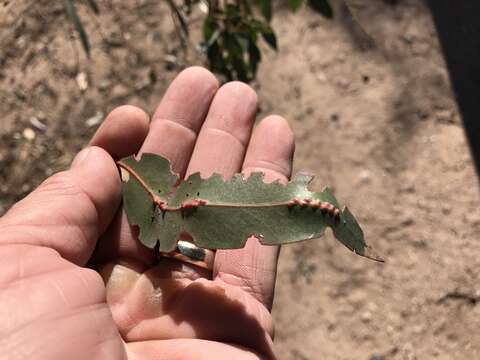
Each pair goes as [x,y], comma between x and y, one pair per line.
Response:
[193,204]
[325,207]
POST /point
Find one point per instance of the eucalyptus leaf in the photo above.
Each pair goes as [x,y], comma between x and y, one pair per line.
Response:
[269,37]
[93,5]
[220,214]
[72,15]
[322,6]
[265,8]
[295,4]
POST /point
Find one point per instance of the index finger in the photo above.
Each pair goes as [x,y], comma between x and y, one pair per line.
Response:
[254,267]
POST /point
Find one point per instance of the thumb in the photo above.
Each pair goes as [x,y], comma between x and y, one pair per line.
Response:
[68,211]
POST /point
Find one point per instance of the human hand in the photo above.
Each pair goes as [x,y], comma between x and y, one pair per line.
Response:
[54,307]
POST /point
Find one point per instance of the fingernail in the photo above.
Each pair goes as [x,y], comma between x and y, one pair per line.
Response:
[81,157]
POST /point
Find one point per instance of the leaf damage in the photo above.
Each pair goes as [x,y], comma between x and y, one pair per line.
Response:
[223,214]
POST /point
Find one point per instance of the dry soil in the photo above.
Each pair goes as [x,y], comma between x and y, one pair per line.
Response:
[373,115]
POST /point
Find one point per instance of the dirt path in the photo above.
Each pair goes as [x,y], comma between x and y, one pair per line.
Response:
[376,122]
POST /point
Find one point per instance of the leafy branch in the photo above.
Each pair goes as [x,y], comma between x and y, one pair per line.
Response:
[219,214]
[72,15]
[231,30]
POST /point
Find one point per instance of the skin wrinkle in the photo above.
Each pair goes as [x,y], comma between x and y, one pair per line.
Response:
[183,352]
[21,234]
[128,322]
[31,232]
[114,335]
[267,165]
[121,308]
[228,133]
[101,345]
[175,123]
[77,191]
[232,293]
[101,339]
[24,285]
[18,279]
[132,319]
[95,276]
[47,317]
[176,112]
[247,284]
[69,192]
[43,316]
[57,185]
[61,292]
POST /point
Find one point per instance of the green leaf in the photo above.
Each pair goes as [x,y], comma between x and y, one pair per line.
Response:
[72,15]
[265,8]
[254,56]
[221,214]
[269,36]
[93,5]
[156,177]
[179,16]
[322,6]
[295,4]
[209,27]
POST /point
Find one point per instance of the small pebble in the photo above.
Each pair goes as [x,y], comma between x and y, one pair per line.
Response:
[37,124]
[104,84]
[119,91]
[82,81]
[203,7]
[366,316]
[334,117]
[28,134]
[444,116]
[409,38]
[321,76]
[343,83]
[365,176]
[94,120]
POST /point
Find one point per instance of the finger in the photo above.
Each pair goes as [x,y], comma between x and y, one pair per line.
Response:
[173,132]
[223,139]
[254,267]
[189,349]
[70,210]
[123,131]
[180,115]
[121,134]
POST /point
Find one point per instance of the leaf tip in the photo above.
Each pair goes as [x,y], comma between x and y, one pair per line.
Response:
[372,254]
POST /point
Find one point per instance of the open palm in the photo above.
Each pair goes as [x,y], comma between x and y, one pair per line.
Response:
[142,306]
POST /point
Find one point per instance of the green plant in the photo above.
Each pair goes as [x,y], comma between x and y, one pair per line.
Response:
[72,15]
[231,30]
[220,214]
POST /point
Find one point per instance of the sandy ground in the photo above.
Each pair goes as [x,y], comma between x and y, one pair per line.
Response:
[373,117]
